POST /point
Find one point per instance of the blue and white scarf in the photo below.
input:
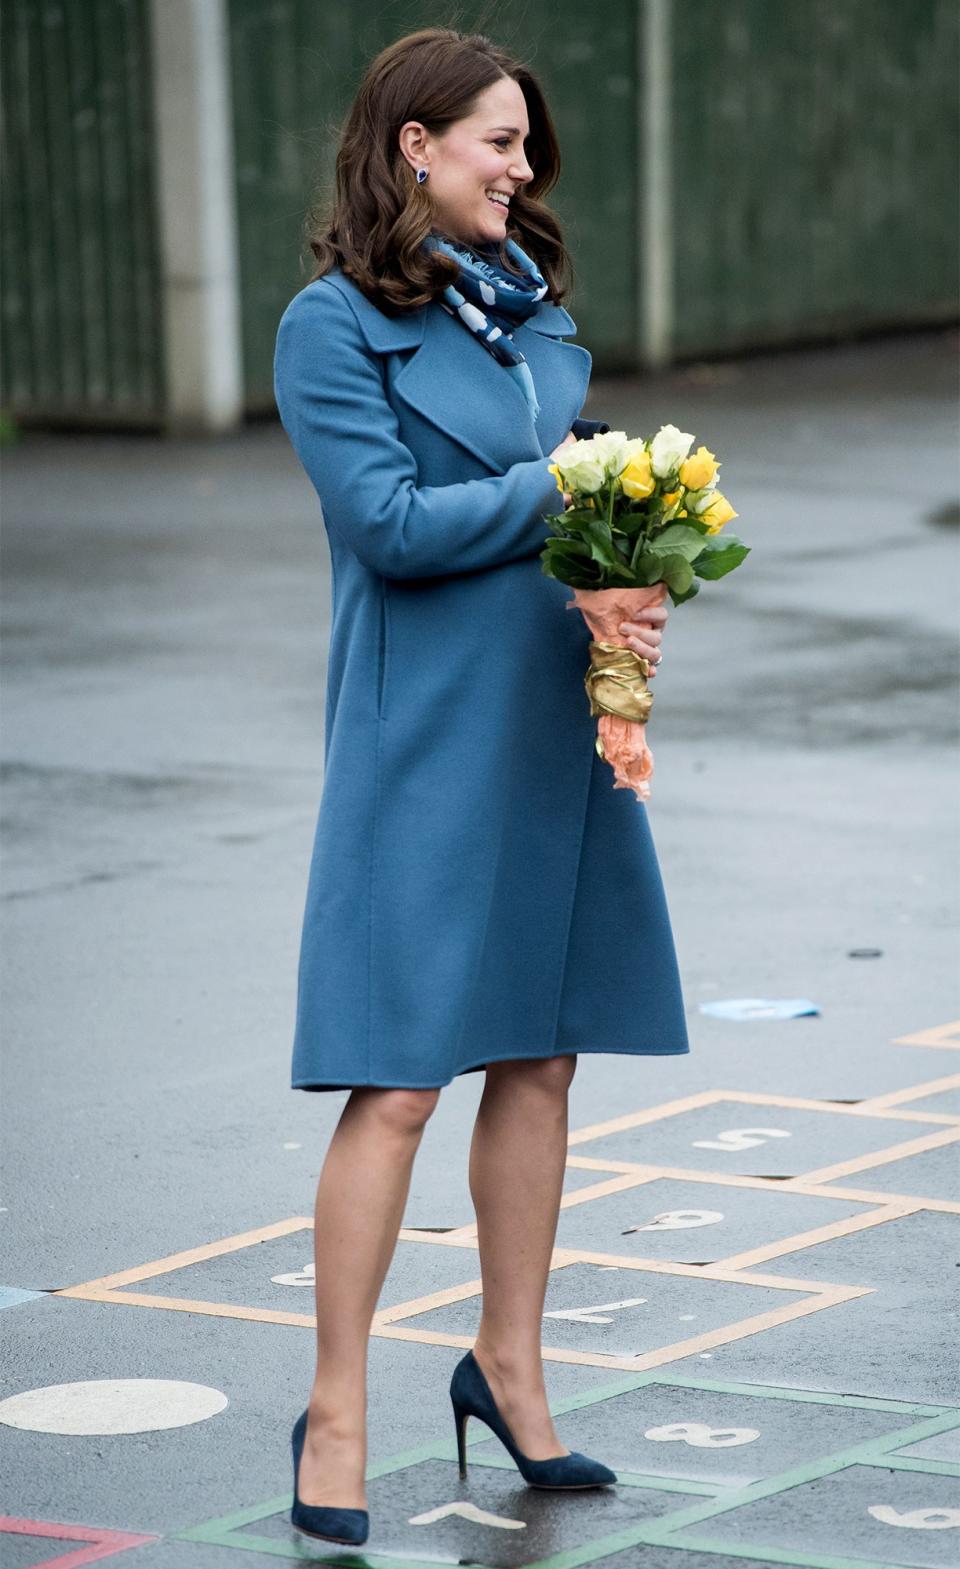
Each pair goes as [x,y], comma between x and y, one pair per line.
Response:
[490,302]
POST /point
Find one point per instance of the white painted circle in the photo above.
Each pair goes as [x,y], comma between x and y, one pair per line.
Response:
[112,1405]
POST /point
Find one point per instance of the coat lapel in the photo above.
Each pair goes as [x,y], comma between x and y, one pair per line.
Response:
[494,421]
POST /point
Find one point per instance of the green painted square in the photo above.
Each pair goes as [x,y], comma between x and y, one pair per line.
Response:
[888,1516]
[670,1507]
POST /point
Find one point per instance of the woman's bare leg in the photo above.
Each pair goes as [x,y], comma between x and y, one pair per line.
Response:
[361,1193]
[517,1159]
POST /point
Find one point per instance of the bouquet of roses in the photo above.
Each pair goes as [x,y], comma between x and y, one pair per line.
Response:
[644,521]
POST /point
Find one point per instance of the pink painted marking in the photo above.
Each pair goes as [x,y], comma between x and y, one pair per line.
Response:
[100,1543]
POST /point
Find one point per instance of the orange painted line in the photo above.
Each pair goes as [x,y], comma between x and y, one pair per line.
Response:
[816,1295]
[718,1271]
[893,1152]
[676,1108]
[944,1035]
[651,1174]
[802,1185]
[165,1266]
[811,1239]
[189,1305]
[636,1167]
[889,1210]
[426,1337]
[602,1190]
[634,1119]
[836,1108]
[434,1299]
[824,1297]
[744,1329]
[873,1196]
[950,1081]
[720,1179]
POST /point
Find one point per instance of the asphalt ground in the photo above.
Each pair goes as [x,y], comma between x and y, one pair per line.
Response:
[783,1202]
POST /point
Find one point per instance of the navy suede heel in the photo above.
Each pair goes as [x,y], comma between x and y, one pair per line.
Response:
[330,1525]
[471,1396]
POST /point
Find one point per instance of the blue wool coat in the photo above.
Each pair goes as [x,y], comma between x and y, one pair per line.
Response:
[478,890]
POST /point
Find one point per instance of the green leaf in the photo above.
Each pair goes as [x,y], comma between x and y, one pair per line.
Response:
[567,573]
[646,568]
[676,572]
[601,545]
[678,539]
[629,522]
[578,547]
[719,556]
[689,593]
[620,573]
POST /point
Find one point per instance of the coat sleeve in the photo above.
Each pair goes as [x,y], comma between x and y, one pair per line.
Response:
[332,402]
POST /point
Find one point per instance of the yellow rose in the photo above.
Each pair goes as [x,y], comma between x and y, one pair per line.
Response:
[637,478]
[697,472]
[718,513]
[552,469]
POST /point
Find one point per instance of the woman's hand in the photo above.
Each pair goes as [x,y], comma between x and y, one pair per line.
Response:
[645,634]
[555,454]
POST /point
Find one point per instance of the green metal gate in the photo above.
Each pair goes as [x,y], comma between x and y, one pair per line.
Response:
[815,164]
[81,292]
[810,150]
[295,67]
[737,173]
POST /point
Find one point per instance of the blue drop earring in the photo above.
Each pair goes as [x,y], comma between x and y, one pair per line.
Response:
[421,175]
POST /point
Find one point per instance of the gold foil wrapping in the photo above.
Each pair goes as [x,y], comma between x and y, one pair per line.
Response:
[616,683]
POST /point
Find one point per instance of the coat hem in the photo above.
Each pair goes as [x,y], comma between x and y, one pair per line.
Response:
[473,1067]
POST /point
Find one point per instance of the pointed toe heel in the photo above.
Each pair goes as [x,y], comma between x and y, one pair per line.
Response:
[351,1526]
[470,1395]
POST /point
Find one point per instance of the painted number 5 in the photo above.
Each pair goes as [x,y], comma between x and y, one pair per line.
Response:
[740,1139]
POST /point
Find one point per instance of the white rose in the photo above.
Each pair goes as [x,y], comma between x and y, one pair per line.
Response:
[668,449]
[582,467]
[611,447]
[586,476]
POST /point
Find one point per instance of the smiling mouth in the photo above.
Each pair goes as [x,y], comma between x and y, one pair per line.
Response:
[500,206]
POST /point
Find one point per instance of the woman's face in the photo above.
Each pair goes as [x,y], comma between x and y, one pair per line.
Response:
[481,153]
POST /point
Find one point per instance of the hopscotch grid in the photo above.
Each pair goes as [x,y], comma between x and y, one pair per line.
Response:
[665,1531]
[620,1177]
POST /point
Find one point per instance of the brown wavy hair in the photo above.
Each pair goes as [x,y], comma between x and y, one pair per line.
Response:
[377,216]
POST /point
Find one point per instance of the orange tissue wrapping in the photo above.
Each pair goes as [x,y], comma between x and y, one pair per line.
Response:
[616,681]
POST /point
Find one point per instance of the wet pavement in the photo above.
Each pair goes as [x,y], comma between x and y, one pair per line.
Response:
[783,1202]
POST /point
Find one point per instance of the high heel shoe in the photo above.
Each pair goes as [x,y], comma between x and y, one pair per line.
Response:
[331,1525]
[471,1396]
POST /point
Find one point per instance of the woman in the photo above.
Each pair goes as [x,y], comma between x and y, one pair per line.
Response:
[472,861]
